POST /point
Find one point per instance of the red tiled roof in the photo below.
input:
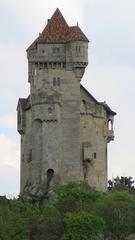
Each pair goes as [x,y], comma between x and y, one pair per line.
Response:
[25,102]
[58,31]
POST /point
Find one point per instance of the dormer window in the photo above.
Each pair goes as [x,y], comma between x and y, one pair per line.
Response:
[56,81]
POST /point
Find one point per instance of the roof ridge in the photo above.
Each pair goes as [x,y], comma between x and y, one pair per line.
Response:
[105,105]
[56,14]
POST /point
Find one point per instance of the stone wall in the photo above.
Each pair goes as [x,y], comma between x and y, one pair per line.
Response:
[64,131]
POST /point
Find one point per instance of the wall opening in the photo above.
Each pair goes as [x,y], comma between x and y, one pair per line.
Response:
[110,125]
[56,81]
[50,175]
[83,101]
[95,155]
[49,110]
[50,172]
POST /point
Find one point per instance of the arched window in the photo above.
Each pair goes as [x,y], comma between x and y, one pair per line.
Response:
[110,125]
[50,175]
[49,110]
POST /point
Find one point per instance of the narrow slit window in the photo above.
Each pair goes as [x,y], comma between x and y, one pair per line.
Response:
[58,81]
[95,155]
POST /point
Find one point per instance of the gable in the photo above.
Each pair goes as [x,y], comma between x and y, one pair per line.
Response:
[86,96]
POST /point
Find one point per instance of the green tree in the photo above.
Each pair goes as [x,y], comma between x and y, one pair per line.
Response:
[82,226]
[117,209]
[48,226]
[12,224]
[121,183]
[76,196]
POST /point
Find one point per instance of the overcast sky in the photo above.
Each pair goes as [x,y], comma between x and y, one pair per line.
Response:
[110,76]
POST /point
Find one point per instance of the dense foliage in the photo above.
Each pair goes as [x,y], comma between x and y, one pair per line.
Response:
[121,183]
[78,213]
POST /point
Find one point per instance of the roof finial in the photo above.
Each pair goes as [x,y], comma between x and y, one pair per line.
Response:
[77,24]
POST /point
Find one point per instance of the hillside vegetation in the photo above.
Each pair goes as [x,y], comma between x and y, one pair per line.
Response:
[78,213]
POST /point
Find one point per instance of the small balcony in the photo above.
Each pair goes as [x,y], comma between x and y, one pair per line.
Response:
[110,136]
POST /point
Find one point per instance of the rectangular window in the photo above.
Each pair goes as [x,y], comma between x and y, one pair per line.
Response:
[56,81]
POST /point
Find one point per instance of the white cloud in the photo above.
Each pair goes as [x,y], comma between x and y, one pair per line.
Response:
[13,81]
[9,181]
[105,81]
[9,166]
[9,121]
[32,12]
[9,152]
[115,84]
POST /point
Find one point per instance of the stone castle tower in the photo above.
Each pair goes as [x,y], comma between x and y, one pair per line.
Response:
[64,129]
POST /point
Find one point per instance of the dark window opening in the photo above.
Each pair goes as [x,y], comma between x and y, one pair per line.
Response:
[49,110]
[50,175]
[50,172]
[83,101]
[56,81]
[95,155]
